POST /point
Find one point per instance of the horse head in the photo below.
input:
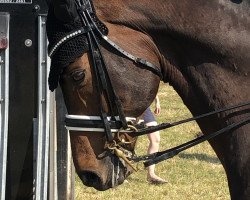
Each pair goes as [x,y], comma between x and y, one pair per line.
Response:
[131,85]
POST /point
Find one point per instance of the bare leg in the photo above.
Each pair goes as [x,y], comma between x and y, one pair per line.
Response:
[154,142]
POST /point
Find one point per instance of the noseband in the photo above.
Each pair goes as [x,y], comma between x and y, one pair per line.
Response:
[95,123]
[117,122]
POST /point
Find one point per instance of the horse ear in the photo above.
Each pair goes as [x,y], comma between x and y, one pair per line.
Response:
[65,10]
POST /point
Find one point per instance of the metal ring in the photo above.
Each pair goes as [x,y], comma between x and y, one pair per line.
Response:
[131,127]
[112,146]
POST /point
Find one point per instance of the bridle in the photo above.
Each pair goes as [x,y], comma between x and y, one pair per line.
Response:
[104,84]
[117,122]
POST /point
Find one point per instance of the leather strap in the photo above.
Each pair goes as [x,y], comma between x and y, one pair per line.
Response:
[104,84]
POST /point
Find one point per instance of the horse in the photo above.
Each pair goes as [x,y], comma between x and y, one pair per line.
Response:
[202,49]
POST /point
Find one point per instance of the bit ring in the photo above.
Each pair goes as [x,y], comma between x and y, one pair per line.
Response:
[130,127]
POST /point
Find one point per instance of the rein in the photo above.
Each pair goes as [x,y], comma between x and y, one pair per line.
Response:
[169,125]
[157,157]
[169,153]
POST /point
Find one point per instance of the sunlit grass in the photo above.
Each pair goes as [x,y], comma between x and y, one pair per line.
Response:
[194,174]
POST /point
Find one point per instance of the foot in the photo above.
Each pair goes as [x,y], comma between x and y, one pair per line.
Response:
[156,180]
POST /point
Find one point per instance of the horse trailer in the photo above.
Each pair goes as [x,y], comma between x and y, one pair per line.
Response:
[33,137]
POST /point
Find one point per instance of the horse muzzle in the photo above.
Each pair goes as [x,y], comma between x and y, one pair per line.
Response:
[114,174]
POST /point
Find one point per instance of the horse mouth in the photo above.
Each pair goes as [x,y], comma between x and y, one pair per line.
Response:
[92,179]
[117,173]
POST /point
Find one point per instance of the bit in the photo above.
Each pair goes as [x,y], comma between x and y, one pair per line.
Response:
[121,155]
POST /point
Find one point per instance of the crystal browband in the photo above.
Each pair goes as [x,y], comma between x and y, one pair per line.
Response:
[68,37]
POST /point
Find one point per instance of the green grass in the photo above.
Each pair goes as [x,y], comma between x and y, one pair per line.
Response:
[194,174]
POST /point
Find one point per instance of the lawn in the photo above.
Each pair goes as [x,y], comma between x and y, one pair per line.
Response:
[194,174]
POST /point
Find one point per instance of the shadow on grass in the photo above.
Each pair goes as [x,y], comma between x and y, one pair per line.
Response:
[201,157]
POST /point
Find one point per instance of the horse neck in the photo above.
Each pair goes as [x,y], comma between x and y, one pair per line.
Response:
[170,18]
[186,38]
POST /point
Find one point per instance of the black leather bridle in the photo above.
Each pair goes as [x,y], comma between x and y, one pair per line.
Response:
[104,87]
[117,120]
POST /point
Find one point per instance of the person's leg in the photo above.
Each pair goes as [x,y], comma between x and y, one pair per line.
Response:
[154,142]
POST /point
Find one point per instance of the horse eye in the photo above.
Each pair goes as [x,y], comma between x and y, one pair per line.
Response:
[78,75]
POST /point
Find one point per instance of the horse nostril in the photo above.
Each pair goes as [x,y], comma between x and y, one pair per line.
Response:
[91,179]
